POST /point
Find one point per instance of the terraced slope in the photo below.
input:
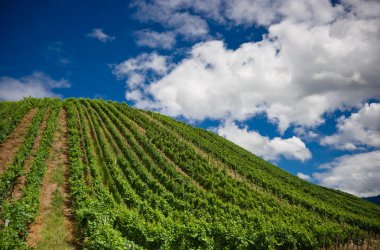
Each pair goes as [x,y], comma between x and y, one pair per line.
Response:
[137,179]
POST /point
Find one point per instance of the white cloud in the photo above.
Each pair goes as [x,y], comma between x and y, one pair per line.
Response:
[305,134]
[266,13]
[245,12]
[190,18]
[138,71]
[304,176]
[306,66]
[212,9]
[36,85]
[153,39]
[249,12]
[175,16]
[188,25]
[269,149]
[357,130]
[143,62]
[315,59]
[358,174]
[100,35]
[364,9]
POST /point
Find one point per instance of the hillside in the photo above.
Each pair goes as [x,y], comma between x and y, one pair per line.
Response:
[93,174]
[374,199]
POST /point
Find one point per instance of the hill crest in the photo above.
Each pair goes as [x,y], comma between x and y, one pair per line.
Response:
[141,179]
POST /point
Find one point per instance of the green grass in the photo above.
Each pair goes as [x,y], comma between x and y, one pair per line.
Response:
[54,233]
[178,187]
[58,176]
[54,229]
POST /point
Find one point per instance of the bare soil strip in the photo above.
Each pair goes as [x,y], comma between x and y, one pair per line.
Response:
[10,147]
[19,185]
[54,226]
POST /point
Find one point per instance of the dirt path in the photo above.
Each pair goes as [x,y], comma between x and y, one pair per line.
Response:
[54,227]
[10,147]
[18,187]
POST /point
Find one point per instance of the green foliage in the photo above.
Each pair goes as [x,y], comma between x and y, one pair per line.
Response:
[11,113]
[334,204]
[21,212]
[142,180]
[8,178]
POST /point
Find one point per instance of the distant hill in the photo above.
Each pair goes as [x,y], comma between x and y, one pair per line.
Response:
[374,199]
[141,180]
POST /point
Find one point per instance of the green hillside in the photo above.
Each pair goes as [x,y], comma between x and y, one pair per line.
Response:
[138,179]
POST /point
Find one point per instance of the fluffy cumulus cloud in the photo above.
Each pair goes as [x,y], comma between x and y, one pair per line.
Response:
[304,176]
[360,129]
[269,149]
[187,25]
[254,12]
[315,58]
[139,71]
[296,74]
[142,63]
[173,15]
[358,174]
[36,85]
[153,39]
[100,35]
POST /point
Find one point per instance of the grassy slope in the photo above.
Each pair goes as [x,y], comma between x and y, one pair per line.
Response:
[242,171]
[273,178]
[141,178]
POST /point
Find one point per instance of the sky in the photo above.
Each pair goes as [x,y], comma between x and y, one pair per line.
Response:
[296,82]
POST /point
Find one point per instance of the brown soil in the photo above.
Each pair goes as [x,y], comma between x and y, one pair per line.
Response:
[10,147]
[354,247]
[58,157]
[17,189]
[141,130]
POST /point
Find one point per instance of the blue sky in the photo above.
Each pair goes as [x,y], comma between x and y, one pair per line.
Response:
[295,82]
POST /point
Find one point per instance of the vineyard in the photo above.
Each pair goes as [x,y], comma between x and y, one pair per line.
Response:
[136,179]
